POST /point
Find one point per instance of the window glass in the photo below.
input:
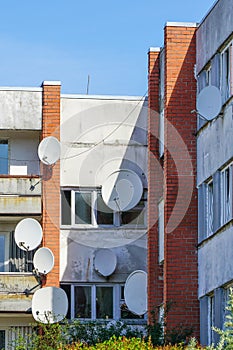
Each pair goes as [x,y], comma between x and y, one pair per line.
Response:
[67,290]
[3,157]
[2,252]
[226,74]
[66,207]
[2,339]
[104,213]
[226,194]
[83,302]
[82,207]
[125,313]
[134,216]
[211,319]
[104,302]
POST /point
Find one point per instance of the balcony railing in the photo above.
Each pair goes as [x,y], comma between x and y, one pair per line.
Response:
[20,195]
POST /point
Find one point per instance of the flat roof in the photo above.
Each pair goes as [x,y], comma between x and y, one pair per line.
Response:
[104,97]
[20,88]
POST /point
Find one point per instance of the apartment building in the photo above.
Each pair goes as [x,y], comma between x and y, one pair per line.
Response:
[214,167]
[190,146]
[95,247]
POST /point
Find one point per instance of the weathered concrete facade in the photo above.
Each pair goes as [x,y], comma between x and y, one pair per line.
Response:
[214,169]
[99,135]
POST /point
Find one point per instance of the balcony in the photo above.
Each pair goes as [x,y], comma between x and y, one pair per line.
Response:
[20,195]
[16,291]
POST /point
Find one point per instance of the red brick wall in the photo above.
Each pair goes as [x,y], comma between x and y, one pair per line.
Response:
[51,179]
[155,271]
[180,262]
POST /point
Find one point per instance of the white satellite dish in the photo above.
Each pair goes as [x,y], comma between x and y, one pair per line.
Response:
[105,261]
[209,102]
[28,234]
[135,292]
[49,150]
[43,260]
[122,190]
[49,305]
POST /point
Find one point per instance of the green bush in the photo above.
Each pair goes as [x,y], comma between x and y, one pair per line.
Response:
[123,343]
[58,335]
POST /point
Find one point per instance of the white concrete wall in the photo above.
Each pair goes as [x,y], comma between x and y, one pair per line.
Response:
[78,250]
[85,122]
[23,157]
[100,135]
[20,108]
[214,145]
[215,262]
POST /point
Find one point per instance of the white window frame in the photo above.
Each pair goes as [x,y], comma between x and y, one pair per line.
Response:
[209,208]
[93,299]
[226,81]
[210,318]
[208,76]
[226,186]
[161,229]
[117,301]
[116,215]
[161,133]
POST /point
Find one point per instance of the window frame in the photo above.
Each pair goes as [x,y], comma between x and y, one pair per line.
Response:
[117,302]
[2,159]
[209,208]
[6,250]
[208,75]
[226,194]
[117,221]
[226,72]
[211,317]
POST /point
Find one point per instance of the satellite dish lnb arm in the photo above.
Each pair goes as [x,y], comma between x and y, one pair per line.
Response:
[29,291]
[200,115]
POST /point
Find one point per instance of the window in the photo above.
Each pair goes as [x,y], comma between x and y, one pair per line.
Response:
[161,133]
[209,207]
[85,207]
[226,194]
[12,258]
[4,251]
[124,311]
[2,339]
[161,230]
[210,319]
[100,301]
[208,76]
[3,157]
[226,301]
[226,72]
[161,102]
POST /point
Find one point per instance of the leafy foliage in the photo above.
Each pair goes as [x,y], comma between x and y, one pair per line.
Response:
[117,335]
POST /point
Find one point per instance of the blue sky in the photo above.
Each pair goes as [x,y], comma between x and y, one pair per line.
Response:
[68,40]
